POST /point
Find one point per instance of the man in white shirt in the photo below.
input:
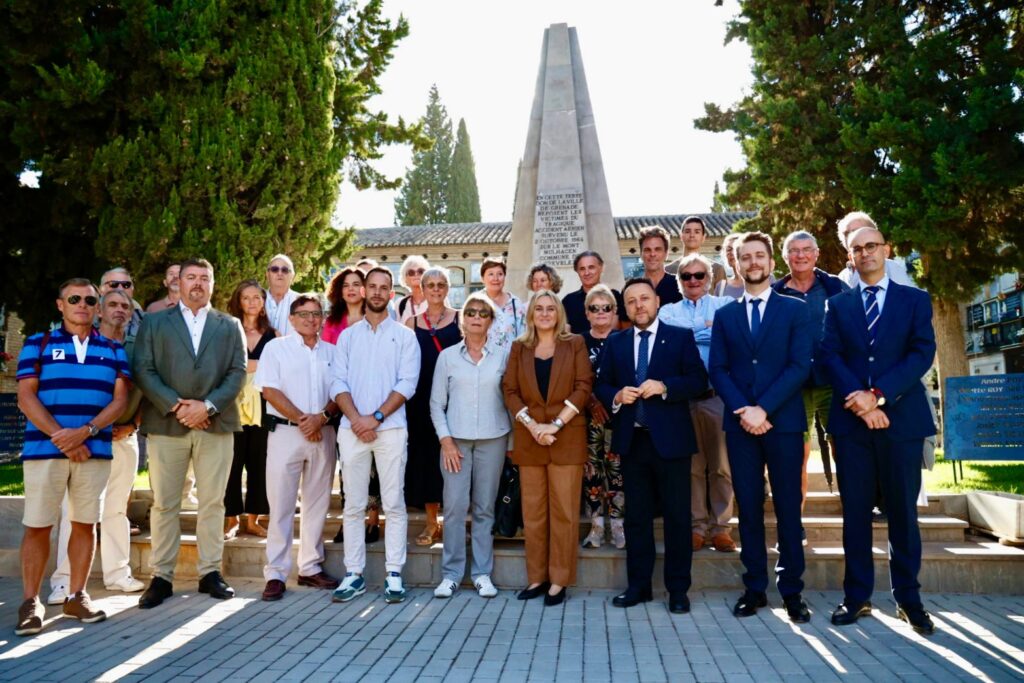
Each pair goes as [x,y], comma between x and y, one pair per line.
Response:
[294,374]
[851,223]
[280,295]
[375,374]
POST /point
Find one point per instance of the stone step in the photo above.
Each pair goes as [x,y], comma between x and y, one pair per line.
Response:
[972,565]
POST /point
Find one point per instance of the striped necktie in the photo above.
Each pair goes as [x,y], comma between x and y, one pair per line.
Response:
[871,312]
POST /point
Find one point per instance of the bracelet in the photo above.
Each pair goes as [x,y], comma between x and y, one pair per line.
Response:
[523,417]
[558,422]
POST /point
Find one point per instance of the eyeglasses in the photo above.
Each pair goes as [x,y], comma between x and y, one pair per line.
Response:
[436,285]
[477,313]
[806,251]
[306,315]
[89,300]
[280,269]
[600,308]
[114,284]
[686,277]
[868,248]
[414,271]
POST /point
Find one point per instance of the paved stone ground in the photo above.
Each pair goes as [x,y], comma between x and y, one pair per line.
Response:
[306,637]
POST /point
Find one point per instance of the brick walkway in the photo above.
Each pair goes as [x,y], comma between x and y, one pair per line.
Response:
[306,637]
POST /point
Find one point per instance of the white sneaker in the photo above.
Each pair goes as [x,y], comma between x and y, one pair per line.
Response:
[484,586]
[445,588]
[190,503]
[394,589]
[126,584]
[58,596]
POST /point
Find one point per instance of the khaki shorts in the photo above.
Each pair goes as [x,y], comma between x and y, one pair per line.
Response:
[46,482]
[816,400]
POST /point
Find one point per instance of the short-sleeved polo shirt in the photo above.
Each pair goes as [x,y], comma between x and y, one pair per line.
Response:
[74,393]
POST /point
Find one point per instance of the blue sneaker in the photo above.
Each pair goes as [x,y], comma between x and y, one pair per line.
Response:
[352,586]
[394,591]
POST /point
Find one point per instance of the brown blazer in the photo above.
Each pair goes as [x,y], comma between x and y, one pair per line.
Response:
[572,379]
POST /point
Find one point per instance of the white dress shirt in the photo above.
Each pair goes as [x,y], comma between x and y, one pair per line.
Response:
[763,296]
[373,363]
[195,323]
[278,313]
[894,270]
[301,373]
[883,287]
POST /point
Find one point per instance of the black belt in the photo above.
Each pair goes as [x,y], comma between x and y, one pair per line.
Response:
[710,393]
[275,420]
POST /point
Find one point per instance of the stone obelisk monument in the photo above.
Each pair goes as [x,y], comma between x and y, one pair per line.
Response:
[562,205]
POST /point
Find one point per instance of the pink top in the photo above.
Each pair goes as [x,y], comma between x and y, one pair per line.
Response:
[333,330]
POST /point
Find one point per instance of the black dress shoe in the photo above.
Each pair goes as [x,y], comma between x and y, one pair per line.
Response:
[536,592]
[556,599]
[918,619]
[632,596]
[158,591]
[372,533]
[748,603]
[849,612]
[797,609]
[678,603]
[340,536]
[214,584]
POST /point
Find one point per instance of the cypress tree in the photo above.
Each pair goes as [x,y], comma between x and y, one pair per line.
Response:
[425,193]
[464,198]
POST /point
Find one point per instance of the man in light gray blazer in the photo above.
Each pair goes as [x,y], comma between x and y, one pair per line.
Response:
[190,363]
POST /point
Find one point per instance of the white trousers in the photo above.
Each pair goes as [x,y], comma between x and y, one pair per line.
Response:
[389,451]
[292,461]
[115,530]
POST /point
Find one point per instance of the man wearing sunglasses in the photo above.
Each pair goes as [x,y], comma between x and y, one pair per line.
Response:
[710,478]
[190,364]
[119,278]
[280,295]
[72,385]
[295,376]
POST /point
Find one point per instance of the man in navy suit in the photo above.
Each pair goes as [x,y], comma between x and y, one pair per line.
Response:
[878,342]
[761,347]
[646,378]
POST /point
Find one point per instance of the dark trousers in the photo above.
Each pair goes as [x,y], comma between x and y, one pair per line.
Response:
[250,454]
[646,478]
[783,454]
[863,458]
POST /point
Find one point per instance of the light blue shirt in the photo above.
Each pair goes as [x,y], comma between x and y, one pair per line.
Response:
[466,400]
[697,317]
[371,364]
[883,285]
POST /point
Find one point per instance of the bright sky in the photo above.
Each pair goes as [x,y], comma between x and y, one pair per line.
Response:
[650,68]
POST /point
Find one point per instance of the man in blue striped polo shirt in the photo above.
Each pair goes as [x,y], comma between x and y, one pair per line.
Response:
[72,384]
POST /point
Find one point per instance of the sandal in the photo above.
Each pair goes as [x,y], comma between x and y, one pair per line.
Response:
[429,537]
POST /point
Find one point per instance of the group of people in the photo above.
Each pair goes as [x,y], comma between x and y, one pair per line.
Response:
[662,399]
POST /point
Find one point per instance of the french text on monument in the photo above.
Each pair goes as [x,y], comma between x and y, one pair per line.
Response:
[560,230]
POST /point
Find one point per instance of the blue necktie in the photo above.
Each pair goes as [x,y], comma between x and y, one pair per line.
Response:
[871,312]
[641,373]
[755,317]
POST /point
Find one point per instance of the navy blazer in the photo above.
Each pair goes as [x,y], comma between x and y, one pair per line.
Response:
[674,361]
[769,371]
[903,352]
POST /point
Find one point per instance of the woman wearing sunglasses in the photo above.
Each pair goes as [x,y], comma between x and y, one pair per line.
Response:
[602,476]
[469,416]
[436,329]
[410,276]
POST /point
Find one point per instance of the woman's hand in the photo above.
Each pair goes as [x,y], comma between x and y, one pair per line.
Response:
[597,410]
[450,455]
[544,434]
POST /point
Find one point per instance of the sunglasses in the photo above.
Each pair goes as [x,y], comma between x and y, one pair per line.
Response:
[686,277]
[414,271]
[306,315]
[89,300]
[436,285]
[477,313]
[114,284]
[600,308]
[280,269]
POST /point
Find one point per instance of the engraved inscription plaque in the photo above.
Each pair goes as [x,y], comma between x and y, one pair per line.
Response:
[560,230]
[984,417]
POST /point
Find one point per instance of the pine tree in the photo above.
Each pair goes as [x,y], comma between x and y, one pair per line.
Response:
[911,112]
[425,191]
[463,198]
[165,130]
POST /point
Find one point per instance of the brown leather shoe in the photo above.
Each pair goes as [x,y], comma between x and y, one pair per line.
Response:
[723,543]
[698,541]
[273,591]
[322,580]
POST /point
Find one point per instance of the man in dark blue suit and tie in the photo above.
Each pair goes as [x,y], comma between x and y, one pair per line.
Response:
[878,342]
[761,347]
[646,378]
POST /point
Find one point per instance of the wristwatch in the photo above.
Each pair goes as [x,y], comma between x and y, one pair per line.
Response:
[879,397]
[211,409]
[326,415]
[558,422]
[93,429]
[378,416]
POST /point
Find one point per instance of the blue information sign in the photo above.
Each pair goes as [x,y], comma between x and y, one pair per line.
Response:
[984,418]
[12,424]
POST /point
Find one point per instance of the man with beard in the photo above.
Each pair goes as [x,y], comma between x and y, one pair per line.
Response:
[761,347]
[190,364]
[375,373]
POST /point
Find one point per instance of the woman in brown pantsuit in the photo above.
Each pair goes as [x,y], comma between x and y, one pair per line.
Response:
[547,383]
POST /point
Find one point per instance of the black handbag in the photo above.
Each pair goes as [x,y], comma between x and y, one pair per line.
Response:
[508,508]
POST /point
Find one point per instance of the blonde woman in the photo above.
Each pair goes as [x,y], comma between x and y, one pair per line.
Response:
[547,385]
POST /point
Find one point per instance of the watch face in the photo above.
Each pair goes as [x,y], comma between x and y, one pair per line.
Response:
[378,416]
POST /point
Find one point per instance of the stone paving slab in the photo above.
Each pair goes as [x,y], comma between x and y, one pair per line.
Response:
[306,637]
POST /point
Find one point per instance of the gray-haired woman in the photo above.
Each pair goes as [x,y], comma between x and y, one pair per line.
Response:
[472,424]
